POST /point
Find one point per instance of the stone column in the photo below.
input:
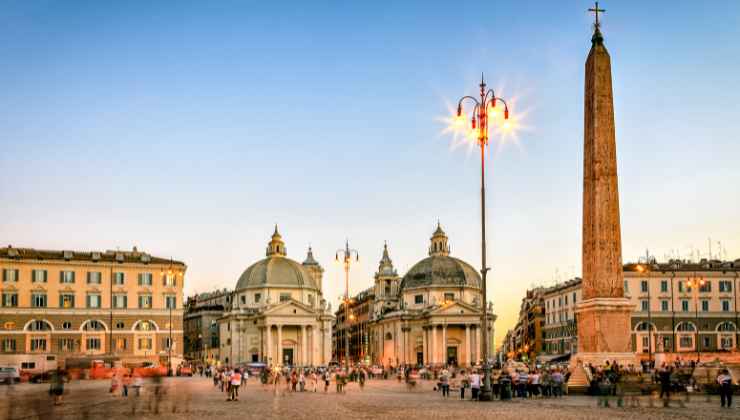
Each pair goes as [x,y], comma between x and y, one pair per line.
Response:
[424,345]
[269,357]
[467,357]
[303,345]
[478,345]
[280,344]
[434,344]
[444,344]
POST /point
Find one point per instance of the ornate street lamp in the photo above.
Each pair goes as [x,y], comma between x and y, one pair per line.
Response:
[346,254]
[479,122]
[695,283]
[645,269]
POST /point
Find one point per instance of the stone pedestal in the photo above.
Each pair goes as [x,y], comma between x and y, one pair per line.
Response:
[604,325]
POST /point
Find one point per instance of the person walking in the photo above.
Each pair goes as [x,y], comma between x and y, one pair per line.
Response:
[724,380]
[126,384]
[314,380]
[664,377]
[444,380]
[235,381]
[464,383]
[474,384]
[56,388]
[327,379]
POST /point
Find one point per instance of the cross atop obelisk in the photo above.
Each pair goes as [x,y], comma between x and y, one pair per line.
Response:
[596,11]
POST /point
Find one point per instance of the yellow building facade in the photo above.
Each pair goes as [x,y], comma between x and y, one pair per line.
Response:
[124,305]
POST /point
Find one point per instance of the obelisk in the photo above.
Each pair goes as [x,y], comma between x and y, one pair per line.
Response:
[603,315]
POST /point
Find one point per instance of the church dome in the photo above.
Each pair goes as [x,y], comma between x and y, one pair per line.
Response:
[439,269]
[276,270]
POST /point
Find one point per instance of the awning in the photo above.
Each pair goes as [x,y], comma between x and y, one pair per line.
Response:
[552,358]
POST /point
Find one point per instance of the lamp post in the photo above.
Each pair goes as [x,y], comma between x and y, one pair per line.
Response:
[169,279]
[695,283]
[645,269]
[479,123]
[346,254]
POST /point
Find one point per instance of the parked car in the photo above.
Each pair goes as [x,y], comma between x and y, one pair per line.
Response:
[9,375]
[185,370]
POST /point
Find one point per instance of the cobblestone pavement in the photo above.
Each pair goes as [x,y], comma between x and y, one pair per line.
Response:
[196,398]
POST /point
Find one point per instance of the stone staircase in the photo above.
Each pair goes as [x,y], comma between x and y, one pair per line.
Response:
[579,381]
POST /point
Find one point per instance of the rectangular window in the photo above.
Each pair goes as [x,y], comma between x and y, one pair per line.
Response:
[166,343]
[66,344]
[170,302]
[121,344]
[10,275]
[705,306]
[244,299]
[680,286]
[145,343]
[66,277]
[169,280]
[705,340]
[419,299]
[28,365]
[725,286]
[9,345]
[644,286]
[67,300]
[566,299]
[39,276]
[145,279]
[685,305]
[626,286]
[664,305]
[93,343]
[725,305]
[119,278]
[94,277]
[38,344]
[574,298]
[310,300]
[664,286]
[284,297]
[726,342]
[10,300]
[120,301]
[145,301]
[706,287]
[560,301]
[686,341]
[449,297]
[645,305]
[93,300]
[38,300]
[257,297]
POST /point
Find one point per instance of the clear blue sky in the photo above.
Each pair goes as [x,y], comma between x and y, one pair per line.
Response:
[190,128]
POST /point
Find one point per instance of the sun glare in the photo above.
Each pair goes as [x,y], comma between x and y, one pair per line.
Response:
[501,131]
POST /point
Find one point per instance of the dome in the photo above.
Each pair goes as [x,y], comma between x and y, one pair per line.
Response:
[441,270]
[275,271]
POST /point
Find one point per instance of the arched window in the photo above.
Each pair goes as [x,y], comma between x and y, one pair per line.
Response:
[686,327]
[388,336]
[93,325]
[726,326]
[39,325]
[145,326]
[643,326]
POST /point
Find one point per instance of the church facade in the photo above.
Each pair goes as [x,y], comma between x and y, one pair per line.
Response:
[430,316]
[278,315]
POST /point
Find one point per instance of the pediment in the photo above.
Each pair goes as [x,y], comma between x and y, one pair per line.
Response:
[456,308]
[292,308]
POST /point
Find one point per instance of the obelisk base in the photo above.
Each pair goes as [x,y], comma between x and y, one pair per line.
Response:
[604,334]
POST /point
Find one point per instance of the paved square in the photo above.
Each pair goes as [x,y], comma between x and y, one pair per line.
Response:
[196,398]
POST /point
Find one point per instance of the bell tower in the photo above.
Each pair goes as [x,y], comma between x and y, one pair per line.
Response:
[387,283]
[314,269]
[439,245]
[276,247]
